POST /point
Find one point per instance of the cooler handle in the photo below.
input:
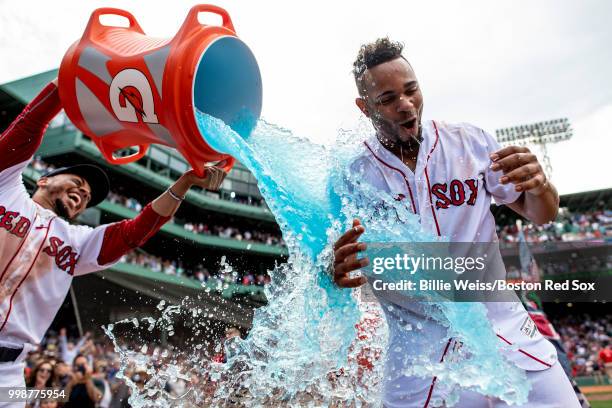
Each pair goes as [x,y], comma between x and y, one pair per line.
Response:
[192,17]
[230,161]
[200,168]
[108,150]
[94,23]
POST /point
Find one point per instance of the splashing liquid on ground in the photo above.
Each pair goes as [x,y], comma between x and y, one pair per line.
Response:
[300,349]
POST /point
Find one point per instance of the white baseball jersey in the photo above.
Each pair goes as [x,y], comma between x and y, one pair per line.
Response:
[39,255]
[451,190]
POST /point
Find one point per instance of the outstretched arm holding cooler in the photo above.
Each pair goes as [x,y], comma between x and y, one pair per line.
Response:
[17,146]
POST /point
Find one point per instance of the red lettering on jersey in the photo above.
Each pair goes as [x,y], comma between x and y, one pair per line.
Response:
[65,257]
[438,190]
[457,193]
[54,244]
[63,254]
[473,186]
[22,227]
[6,221]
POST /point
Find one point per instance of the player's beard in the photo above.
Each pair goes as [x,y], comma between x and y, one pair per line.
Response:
[389,132]
[61,210]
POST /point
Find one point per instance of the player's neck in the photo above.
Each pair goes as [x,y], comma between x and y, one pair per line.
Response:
[407,152]
[42,200]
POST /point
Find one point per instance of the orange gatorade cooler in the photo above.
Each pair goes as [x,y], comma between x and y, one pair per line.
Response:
[122,88]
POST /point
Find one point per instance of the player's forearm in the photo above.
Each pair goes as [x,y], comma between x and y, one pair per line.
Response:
[23,136]
[541,208]
[121,237]
[166,204]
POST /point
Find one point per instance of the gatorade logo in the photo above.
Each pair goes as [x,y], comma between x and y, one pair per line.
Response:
[131,97]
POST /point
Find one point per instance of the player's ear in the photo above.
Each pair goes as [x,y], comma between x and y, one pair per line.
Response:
[363,107]
[43,181]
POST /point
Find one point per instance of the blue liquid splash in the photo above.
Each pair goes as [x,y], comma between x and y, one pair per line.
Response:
[300,350]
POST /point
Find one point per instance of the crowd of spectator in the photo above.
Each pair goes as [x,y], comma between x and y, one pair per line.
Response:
[130,203]
[234,233]
[199,273]
[85,371]
[577,264]
[255,202]
[588,342]
[569,226]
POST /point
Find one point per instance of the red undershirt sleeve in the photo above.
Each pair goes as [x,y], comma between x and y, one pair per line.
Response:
[22,138]
[123,236]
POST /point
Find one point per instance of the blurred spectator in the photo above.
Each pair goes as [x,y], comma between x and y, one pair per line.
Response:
[200,273]
[234,233]
[48,403]
[62,375]
[68,349]
[41,376]
[99,374]
[83,391]
[228,346]
[130,203]
[605,359]
[584,338]
[121,394]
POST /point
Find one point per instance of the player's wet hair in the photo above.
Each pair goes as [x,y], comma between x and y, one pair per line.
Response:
[372,54]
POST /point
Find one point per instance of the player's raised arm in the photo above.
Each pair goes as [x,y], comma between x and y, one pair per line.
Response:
[23,136]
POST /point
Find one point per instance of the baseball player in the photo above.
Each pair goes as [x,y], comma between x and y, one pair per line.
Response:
[447,174]
[40,251]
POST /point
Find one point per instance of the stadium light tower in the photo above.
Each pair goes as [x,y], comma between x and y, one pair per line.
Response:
[538,134]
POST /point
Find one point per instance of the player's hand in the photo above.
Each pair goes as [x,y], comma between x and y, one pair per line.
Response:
[212,180]
[345,257]
[521,168]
